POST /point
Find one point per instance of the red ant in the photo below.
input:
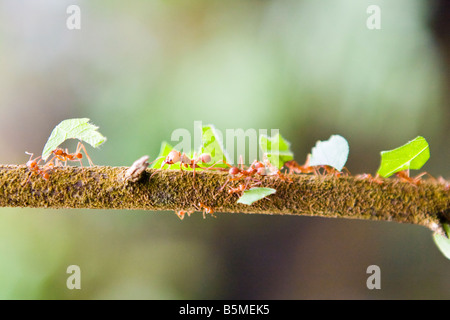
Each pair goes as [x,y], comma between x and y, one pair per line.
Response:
[256,167]
[272,170]
[62,155]
[236,173]
[181,213]
[242,187]
[33,166]
[175,156]
[205,209]
[404,176]
[370,178]
[293,166]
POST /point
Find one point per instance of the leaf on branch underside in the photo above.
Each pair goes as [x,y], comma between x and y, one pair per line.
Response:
[443,242]
[78,128]
[254,194]
[412,155]
[276,149]
[332,152]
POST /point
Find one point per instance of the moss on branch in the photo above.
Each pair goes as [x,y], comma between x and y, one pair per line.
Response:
[103,187]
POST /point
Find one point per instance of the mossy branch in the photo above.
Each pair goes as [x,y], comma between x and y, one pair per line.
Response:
[103,187]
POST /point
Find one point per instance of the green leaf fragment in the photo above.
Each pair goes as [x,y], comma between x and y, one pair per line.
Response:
[443,242]
[276,149]
[446,227]
[78,128]
[163,153]
[212,144]
[412,155]
[332,152]
[254,194]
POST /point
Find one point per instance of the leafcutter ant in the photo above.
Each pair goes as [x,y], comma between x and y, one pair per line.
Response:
[293,166]
[33,166]
[175,156]
[181,213]
[404,176]
[367,176]
[64,156]
[205,209]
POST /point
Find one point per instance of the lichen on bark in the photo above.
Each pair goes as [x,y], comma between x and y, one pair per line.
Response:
[104,187]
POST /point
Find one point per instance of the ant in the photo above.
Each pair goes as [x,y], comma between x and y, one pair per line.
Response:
[237,173]
[293,166]
[181,213]
[33,166]
[62,155]
[272,170]
[256,167]
[175,156]
[242,187]
[370,178]
[205,209]
[404,176]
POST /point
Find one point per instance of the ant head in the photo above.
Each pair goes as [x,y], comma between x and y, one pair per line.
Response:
[205,158]
[258,165]
[31,164]
[79,155]
[234,171]
[172,157]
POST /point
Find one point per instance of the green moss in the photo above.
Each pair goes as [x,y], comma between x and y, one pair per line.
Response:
[104,188]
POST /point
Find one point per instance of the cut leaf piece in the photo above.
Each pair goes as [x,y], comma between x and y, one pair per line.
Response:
[412,155]
[78,128]
[276,149]
[212,144]
[332,152]
[255,194]
[443,243]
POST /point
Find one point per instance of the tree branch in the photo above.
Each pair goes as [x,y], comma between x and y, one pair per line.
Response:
[103,187]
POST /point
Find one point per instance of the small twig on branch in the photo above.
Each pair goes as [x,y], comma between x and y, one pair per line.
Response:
[103,187]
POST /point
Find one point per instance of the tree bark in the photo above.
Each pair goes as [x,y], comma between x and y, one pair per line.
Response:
[103,187]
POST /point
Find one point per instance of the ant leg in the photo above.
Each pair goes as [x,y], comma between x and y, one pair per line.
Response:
[212,166]
[67,152]
[30,154]
[54,159]
[417,179]
[224,185]
[241,162]
[79,146]
[162,166]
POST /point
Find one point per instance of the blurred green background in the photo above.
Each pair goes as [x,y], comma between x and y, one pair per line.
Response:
[141,69]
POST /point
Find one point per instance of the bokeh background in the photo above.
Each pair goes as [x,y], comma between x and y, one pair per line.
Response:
[141,69]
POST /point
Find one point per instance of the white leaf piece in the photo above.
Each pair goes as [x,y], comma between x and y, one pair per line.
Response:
[332,152]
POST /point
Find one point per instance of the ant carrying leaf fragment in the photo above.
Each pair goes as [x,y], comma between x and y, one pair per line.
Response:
[332,153]
[412,155]
[78,128]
